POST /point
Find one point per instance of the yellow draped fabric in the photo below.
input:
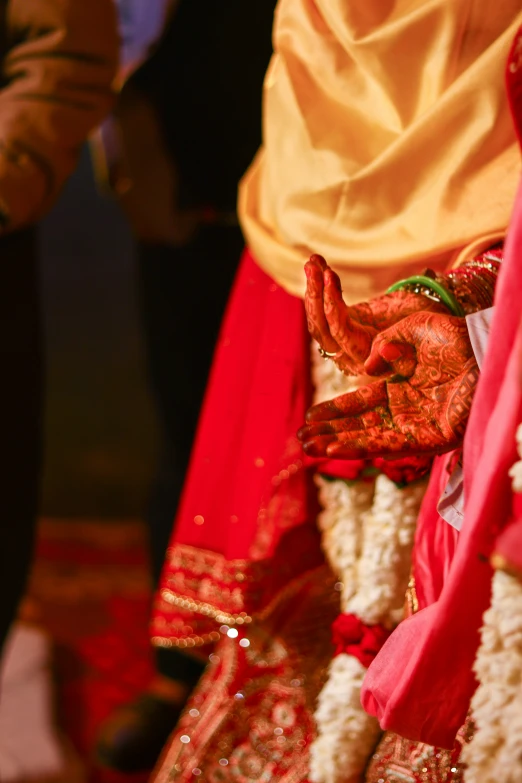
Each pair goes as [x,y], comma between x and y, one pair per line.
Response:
[388,144]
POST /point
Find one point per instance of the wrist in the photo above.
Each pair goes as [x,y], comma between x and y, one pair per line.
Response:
[473,283]
[432,288]
[463,290]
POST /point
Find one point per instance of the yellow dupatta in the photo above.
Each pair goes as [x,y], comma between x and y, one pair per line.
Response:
[388,143]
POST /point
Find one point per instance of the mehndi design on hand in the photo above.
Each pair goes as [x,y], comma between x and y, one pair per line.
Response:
[346,332]
[421,407]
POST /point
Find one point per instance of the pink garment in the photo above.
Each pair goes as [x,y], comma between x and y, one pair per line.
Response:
[421,683]
[435,540]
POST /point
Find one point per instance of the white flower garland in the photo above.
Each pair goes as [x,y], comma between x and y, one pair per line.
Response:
[330,382]
[494,755]
[341,523]
[384,565]
[368,530]
[344,505]
[347,734]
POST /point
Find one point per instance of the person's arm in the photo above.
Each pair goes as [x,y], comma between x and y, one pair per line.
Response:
[57,73]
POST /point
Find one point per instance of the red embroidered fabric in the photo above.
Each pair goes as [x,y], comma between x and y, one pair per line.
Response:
[251,718]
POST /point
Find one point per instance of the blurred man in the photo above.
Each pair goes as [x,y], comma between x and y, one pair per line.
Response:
[57,64]
[187,125]
[58,61]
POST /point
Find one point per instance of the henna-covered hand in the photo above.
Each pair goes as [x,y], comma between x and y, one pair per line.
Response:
[423,405]
[347,331]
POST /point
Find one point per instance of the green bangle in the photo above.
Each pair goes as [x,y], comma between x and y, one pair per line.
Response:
[445,296]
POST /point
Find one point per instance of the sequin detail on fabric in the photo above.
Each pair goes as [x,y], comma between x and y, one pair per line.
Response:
[399,760]
[251,717]
[201,590]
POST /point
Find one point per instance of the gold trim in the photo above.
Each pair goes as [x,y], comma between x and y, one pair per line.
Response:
[476,248]
[198,640]
[500,563]
[412,601]
[187,641]
[206,609]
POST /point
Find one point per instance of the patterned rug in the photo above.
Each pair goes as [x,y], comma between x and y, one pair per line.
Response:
[90,590]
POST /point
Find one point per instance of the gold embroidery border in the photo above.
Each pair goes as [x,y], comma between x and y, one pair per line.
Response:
[204,608]
[198,640]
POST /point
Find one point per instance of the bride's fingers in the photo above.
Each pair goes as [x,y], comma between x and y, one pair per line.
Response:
[356,444]
[354,339]
[356,403]
[316,447]
[314,304]
[388,356]
[318,261]
[374,418]
[372,442]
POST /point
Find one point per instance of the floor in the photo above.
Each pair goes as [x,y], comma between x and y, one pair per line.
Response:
[90,591]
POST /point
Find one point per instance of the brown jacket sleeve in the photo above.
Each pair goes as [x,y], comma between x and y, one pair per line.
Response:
[60,58]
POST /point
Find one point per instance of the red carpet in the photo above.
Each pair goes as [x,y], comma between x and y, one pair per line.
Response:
[90,589]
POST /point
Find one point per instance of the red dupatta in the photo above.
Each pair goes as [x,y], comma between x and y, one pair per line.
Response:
[421,683]
[245,526]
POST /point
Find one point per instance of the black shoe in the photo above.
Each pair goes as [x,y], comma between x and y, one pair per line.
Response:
[132,739]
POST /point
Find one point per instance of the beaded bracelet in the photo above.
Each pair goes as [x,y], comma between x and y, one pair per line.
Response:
[433,289]
[473,283]
[464,289]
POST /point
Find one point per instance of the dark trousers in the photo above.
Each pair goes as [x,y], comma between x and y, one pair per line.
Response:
[183,294]
[21,397]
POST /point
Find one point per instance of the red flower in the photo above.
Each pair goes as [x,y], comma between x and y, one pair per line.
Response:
[350,635]
[404,471]
[346,469]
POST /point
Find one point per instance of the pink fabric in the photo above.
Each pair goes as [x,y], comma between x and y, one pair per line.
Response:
[421,683]
[435,539]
